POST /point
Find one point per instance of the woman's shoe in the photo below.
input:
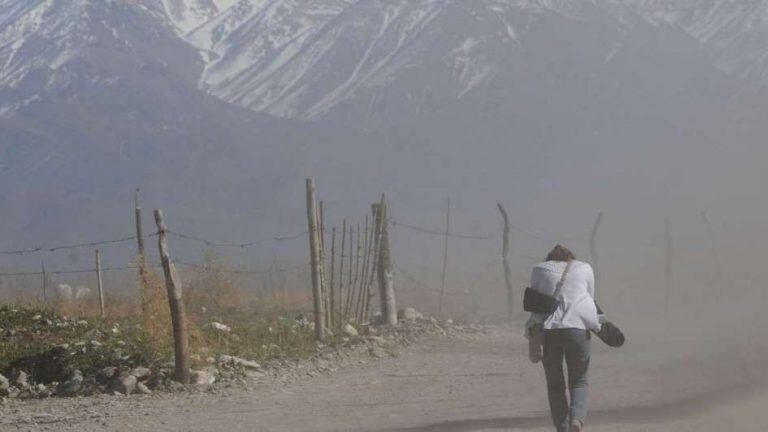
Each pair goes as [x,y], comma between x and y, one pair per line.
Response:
[576,426]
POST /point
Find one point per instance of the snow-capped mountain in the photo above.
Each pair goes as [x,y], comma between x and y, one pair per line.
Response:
[204,102]
[304,58]
[735,32]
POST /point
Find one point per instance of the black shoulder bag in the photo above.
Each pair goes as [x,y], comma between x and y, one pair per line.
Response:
[534,301]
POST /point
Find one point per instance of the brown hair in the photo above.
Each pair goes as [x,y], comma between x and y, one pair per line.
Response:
[560,253]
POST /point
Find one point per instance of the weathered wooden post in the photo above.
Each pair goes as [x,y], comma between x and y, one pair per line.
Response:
[314,252]
[667,266]
[593,249]
[375,265]
[360,308]
[331,294]
[178,314]
[719,280]
[350,270]
[445,258]
[505,262]
[386,285]
[323,287]
[141,262]
[44,282]
[353,276]
[341,270]
[99,283]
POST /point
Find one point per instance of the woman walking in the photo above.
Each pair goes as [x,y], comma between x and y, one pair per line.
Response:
[566,333]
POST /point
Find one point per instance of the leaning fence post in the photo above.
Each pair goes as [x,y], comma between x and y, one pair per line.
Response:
[99,283]
[314,252]
[386,286]
[593,249]
[505,262]
[178,315]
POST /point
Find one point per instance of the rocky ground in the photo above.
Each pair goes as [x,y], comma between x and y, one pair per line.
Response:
[100,361]
[438,376]
[433,377]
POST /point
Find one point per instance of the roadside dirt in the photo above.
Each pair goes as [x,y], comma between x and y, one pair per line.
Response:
[474,383]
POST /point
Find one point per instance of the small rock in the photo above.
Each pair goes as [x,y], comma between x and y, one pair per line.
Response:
[202,378]
[125,384]
[141,388]
[21,380]
[141,373]
[220,327]
[42,391]
[72,386]
[5,386]
[409,314]
[105,375]
[238,362]
[350,331]
[378,340]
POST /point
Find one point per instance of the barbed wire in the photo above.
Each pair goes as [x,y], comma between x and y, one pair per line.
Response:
[237,245]
[207,267]
[73,246]
[441,233]
[60,272]
[422,284]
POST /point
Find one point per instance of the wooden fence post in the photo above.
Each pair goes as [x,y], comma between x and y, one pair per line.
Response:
[350,270]
[331,295]
[445,258]
[44,282]
[667,266]
[593,249]
[719,280]
[341,270]
[386,285]
[314,252]
[360,308]
[321,257]
[375,256]
[178,314]
[505,262]
[99,283]
[141,257]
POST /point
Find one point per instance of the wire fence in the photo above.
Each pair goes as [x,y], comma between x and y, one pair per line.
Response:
[222,244]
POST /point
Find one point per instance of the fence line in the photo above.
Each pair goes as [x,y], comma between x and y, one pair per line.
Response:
[73,246]
[237,271]
[426,286]
[238,245]
[133,267]
[441,233]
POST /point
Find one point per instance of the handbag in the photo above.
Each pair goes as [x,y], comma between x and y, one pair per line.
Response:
[611,335]
[534,301]
[609,332]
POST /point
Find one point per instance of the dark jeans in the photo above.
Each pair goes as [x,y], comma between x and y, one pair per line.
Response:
[573,346]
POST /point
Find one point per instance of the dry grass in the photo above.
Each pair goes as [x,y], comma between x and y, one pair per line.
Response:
[262,324]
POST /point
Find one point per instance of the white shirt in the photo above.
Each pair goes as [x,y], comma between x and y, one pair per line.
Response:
[577,305]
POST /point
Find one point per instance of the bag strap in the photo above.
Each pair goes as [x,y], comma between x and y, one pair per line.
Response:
[562,280]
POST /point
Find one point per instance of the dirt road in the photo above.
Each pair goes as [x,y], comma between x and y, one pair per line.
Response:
[482,383]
